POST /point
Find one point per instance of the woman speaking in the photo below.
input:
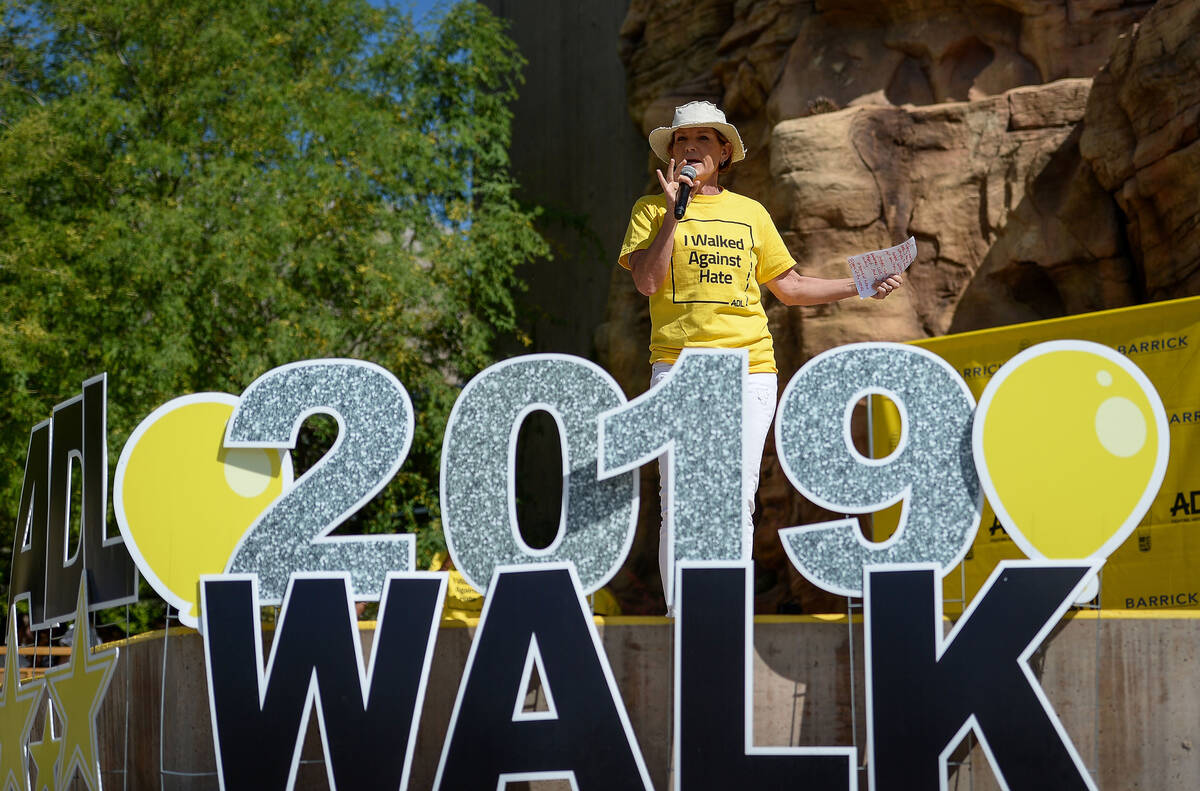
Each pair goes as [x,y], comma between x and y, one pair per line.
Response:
[701,253]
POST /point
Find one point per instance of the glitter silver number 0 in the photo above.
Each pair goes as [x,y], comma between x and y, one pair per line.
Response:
[375,422]
[695,415]
[931,468]
[598,517]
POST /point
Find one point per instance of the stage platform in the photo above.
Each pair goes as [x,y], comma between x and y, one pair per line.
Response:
[1126,686]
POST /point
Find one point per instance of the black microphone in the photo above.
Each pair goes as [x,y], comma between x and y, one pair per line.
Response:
[685,191]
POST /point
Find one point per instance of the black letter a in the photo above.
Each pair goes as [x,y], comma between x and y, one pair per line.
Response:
[539,612]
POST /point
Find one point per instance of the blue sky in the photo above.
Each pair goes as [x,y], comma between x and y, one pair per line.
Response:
[420,8]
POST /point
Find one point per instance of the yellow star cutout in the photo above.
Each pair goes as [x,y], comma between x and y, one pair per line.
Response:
[77,689]
[45,754]
[18,704]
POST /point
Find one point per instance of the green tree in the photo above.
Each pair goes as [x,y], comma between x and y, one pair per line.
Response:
[195,191]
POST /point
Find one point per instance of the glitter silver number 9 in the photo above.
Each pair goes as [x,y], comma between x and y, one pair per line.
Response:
[931,468]
[375,428]
[695,416]
[598,517]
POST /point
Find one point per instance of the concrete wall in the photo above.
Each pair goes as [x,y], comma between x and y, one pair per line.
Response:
[575,153]
[1126,689]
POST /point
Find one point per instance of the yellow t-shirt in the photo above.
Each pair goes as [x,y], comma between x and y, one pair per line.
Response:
[726,246]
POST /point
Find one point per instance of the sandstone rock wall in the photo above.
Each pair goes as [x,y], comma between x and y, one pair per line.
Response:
[1043,153]
[1140,139]
[766,61]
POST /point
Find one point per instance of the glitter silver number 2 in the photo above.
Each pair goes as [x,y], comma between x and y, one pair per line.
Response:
[932,468]
[375,422]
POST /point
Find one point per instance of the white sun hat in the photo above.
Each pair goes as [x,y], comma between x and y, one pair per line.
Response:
[694,114]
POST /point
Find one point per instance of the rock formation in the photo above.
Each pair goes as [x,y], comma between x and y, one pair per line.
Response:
[1139,138]
[1042,152]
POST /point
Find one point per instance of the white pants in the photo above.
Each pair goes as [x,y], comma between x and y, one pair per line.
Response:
[758,410]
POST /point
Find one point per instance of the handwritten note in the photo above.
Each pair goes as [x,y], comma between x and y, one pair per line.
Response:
[869,268]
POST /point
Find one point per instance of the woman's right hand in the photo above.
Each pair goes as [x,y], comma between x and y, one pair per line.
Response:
[670,184]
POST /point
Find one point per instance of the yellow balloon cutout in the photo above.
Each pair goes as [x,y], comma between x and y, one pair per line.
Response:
[183,500]
[1071,446]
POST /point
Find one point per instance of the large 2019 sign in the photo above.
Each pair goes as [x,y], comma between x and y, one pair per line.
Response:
[219,514]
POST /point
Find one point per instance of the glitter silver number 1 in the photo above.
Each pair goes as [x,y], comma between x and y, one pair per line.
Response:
[932,468]
[695,416]
[375,422]
[479,516]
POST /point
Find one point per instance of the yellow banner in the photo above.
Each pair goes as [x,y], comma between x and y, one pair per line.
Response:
[1159,565]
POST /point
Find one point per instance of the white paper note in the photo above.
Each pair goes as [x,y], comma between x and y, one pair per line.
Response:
[869,268]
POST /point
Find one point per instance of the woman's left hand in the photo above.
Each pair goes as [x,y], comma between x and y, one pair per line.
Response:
[887,286]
